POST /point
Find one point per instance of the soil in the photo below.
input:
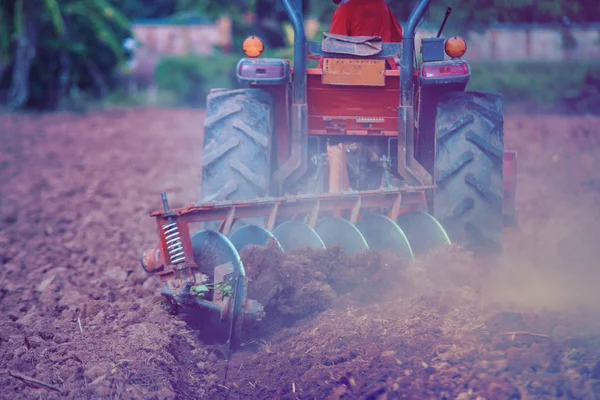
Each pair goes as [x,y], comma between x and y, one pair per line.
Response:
[305,281]
[79,317]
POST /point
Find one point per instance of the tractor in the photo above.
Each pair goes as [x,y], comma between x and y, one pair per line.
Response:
[369,149]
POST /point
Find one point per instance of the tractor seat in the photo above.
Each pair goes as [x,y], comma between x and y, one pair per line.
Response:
[362,46]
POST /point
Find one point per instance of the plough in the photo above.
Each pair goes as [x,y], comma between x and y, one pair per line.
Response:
[392,219]
[359,152]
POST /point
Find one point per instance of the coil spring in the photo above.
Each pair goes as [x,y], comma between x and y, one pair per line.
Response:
[174,247]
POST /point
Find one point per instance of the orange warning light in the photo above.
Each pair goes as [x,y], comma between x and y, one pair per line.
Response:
[253,46]
[455,47]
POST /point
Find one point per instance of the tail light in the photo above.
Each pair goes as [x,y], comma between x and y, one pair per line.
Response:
[261,71]
[441,70]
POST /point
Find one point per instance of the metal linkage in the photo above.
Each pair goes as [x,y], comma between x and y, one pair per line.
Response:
[412,198]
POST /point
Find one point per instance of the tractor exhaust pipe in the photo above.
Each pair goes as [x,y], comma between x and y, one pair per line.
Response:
[296,165]
[294,12]
[408,167]
[408,53]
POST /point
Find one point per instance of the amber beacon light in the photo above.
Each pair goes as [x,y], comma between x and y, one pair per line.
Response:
[455,47]
[253,46]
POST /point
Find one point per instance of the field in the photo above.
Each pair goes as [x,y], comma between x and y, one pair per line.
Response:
[79,319]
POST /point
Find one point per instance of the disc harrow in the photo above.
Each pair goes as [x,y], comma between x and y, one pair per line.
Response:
[205,269]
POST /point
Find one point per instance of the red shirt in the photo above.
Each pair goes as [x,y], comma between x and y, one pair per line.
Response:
[366,18]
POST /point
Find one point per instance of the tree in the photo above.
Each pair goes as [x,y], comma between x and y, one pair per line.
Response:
[146,8]
[47,44]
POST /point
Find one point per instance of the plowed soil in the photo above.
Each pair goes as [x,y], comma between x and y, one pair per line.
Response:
[78,317]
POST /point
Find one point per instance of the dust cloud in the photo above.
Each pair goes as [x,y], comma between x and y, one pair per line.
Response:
[559,268]
[552,259]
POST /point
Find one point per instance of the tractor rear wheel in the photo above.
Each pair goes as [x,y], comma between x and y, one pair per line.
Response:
[468,169]
[237,145]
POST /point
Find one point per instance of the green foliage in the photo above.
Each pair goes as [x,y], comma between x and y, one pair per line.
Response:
[103,21]
[146,8]
[214,9]
[202,290]
[98,16]
[53,9]
[191,77]
[572,85]
[76,43]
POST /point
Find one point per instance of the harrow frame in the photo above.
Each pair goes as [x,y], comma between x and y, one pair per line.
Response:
[396,200]
[173,258]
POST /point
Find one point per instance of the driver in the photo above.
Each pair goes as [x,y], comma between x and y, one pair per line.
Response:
[365,18]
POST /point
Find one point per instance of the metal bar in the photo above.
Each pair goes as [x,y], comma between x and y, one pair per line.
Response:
[300,47]
[396,207]
[354,194]
[355,211]
[272,217]
[299,8]
[314,215]
[228,222]
[408,53]
[299,204]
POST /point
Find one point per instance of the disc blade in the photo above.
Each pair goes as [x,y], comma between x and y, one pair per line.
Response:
[251,235]
[383,233]
[293,235]
[211,249]
[342,232]
[242,222]
[423,231]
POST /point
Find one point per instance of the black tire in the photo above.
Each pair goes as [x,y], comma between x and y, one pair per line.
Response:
[237,145]
[468,169]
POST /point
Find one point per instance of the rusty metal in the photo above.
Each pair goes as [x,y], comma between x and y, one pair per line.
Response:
[412,197]
[396,207]
[224,293]
[272,217]
[355,211]
[397,200]
[225,229]
[338,168]
[311,218]
[222,285]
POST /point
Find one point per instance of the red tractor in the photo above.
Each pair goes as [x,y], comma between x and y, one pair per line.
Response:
[361,152]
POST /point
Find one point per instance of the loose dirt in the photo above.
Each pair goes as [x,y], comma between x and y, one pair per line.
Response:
[78,314]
